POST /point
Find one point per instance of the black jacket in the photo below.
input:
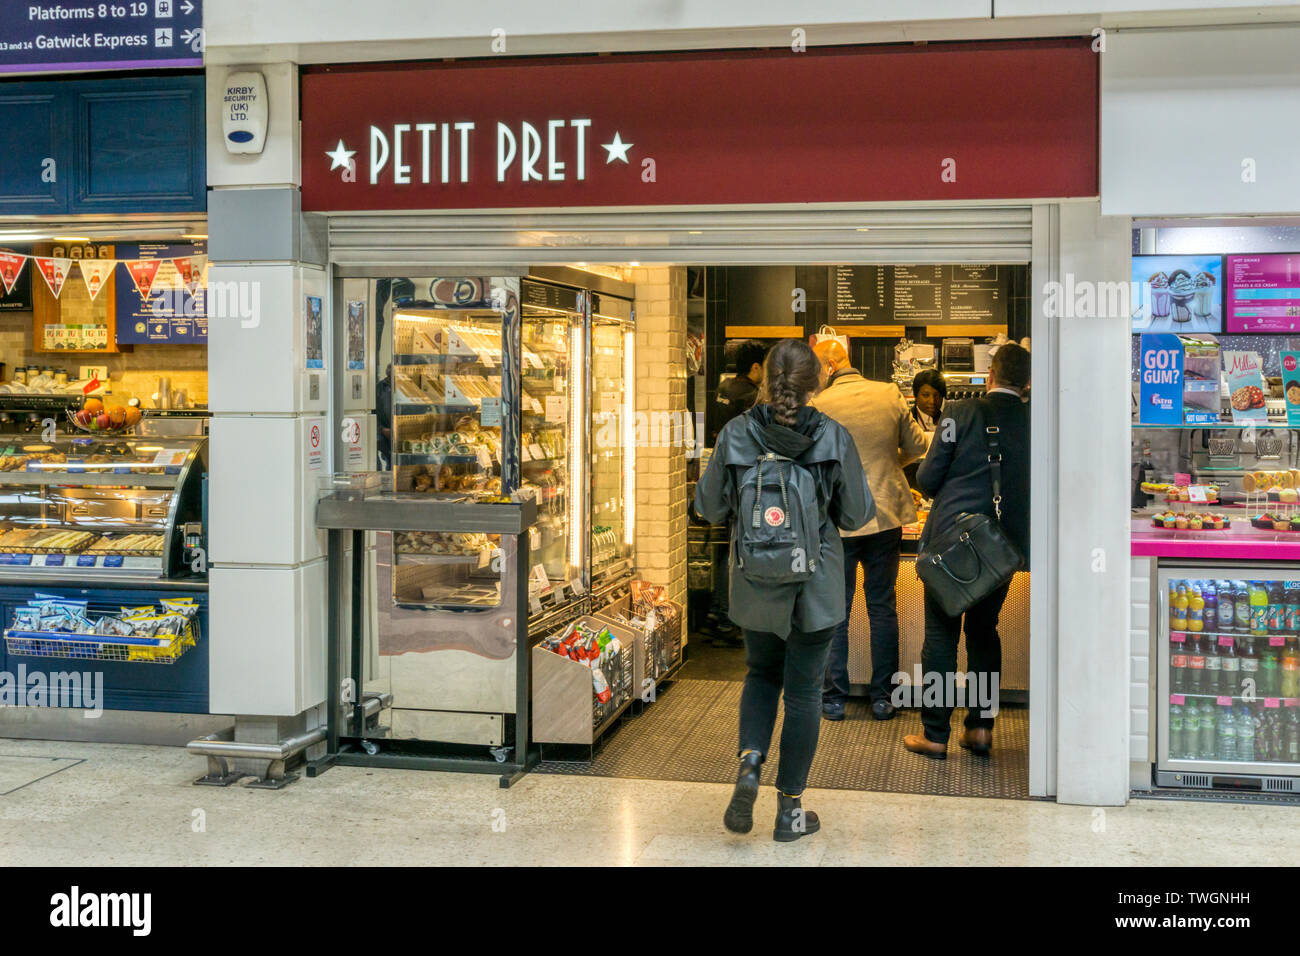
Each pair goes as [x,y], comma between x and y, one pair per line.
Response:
[826,449]
[736,396]
[956,473]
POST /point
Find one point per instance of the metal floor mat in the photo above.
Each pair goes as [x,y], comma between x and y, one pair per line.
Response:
[689,734]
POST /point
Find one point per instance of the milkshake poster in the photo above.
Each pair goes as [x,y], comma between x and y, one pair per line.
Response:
[1178,293]
[1264,293]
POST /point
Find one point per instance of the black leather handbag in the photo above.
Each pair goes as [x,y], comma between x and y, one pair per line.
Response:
[964,564]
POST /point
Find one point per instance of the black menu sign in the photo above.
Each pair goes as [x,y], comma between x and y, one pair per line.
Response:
[919,294]
[861,294]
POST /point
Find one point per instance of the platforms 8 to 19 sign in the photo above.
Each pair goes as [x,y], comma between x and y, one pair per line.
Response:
[122,35]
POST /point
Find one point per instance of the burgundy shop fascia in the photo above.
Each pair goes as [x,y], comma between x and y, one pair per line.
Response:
[925,123]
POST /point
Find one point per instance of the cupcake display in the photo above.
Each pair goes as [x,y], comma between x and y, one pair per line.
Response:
[1182,521]
[1275,521]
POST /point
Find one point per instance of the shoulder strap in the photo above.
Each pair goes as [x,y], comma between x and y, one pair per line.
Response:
[992,434]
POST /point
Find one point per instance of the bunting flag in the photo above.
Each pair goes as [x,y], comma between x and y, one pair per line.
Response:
[11,264]
[95,272]
[55,272]
[185,268]
[199,273]
[142,274]
[192,271]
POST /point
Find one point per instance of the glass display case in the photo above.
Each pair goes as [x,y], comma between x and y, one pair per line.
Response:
[488,397]
[553,430]
[1221,491]
[1228,678]
[115,506]
[613,431]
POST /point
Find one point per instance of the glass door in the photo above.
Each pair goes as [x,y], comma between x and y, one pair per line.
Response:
[613,430]
[553,431]
[1230,671]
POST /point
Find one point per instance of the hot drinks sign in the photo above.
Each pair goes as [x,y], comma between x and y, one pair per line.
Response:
[705,128]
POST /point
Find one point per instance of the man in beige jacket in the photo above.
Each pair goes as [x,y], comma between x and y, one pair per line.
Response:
[887,438]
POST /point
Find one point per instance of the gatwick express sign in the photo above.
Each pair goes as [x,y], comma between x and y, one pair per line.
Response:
[1012,120]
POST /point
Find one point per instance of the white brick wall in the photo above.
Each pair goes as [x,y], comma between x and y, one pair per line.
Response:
[660,462]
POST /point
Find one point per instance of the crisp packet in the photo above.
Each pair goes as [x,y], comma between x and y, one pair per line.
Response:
[183,606]
[114,626]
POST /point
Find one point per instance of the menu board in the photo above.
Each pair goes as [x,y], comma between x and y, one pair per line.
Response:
[919,294]
[1264,292]
[861,294]
[171,314]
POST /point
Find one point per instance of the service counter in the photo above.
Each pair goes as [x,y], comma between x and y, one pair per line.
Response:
[1013,626]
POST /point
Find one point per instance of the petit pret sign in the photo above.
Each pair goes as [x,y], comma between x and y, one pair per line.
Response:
[1012,120]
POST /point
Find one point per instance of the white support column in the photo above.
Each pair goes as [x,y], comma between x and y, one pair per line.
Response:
[270,436]
[1093,349]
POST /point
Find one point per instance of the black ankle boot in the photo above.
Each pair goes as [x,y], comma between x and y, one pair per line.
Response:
[739,817]
[792,820]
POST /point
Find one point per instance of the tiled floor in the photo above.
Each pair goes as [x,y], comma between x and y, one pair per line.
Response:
[135,805]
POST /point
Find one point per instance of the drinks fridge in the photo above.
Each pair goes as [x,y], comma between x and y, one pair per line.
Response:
[1228,678]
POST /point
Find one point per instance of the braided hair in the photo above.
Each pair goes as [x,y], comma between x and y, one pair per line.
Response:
[791,376]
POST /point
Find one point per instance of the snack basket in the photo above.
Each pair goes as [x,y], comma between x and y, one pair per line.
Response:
[166,649]
[565,708]
[619,673]
[75,645]
[659,648]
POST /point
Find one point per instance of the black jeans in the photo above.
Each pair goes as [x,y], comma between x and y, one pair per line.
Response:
[983,659]
[878,554]
[793,667]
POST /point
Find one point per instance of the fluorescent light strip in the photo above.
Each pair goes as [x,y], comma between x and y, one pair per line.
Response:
[577,490]
[629,437]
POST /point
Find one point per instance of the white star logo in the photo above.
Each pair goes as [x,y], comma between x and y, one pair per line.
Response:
[617,150]
[341,156]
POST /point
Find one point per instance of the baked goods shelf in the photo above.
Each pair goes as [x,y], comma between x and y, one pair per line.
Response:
[432,408]
[125,479]
[416,458]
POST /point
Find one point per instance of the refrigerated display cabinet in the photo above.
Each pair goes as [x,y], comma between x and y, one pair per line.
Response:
[1221,492]
[494,382]
[113,521]
[613,433]
[99,508]
[1227,674]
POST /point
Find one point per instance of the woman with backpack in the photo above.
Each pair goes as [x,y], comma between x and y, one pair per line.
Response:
[789,480]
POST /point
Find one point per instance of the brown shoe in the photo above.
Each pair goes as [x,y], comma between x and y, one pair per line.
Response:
[920,744]
[978,740]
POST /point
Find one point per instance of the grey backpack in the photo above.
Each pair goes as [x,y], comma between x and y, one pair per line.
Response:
[777,538]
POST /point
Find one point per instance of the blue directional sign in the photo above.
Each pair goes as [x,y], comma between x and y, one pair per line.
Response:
[89,35]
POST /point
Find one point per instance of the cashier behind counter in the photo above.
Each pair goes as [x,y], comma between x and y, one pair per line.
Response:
[738,394]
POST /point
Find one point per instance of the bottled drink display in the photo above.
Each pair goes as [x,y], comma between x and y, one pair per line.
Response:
[1233,681]
[1226,610]
[1230,667]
